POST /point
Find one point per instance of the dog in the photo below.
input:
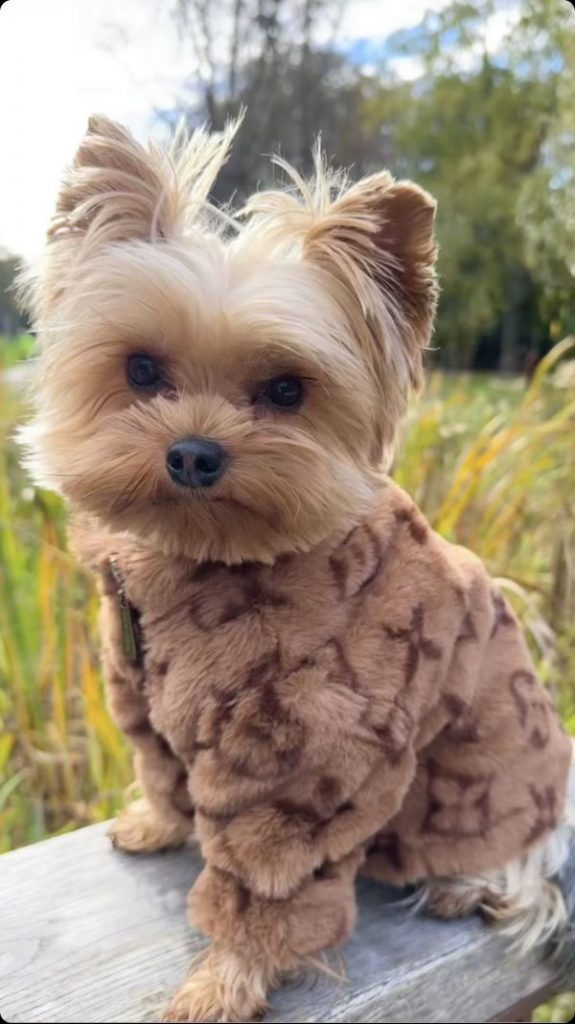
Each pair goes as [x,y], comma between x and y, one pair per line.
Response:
[314,682]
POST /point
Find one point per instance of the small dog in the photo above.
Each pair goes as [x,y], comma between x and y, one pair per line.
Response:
[314,682]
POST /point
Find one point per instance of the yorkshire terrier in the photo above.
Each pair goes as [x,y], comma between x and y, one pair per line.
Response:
[314,682]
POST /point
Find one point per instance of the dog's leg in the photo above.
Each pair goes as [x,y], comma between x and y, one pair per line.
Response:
[139,828]
[163,817]
[257,942]
[520,898]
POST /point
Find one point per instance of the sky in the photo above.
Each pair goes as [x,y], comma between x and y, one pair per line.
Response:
[61,60]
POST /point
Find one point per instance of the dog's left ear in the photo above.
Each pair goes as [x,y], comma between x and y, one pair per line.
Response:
[378,238]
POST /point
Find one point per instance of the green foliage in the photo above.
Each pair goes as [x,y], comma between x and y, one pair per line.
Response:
[546,209]
[16,349]
[488,126]
[560,1011]
[491,143]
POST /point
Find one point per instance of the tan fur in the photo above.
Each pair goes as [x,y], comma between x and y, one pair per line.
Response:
[140,829]
[224,987]
[327,685]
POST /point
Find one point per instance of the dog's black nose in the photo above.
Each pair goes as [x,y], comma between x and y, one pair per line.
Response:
[196,462]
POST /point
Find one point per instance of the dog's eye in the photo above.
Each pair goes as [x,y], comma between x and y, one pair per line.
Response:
[144,372]
[283,392]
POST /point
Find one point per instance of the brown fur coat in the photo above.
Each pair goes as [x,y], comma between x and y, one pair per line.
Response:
[374,698]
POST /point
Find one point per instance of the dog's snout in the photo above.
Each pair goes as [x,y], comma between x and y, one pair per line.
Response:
[196,462]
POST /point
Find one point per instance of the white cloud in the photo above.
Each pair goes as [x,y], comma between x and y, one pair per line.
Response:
[493,33]
[499,25]
[408,68]
[379,18]
[61,60]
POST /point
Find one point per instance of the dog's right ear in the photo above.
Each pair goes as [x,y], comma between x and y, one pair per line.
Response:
[119,191]
[111,190]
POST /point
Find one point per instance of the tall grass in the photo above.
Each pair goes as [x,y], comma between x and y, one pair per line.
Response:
[491,463]
[62,762]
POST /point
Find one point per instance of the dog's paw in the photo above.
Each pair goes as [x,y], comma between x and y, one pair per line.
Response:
[137,829]
[221,989]
[450,899]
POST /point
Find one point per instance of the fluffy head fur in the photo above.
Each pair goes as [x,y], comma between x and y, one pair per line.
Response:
[328,281]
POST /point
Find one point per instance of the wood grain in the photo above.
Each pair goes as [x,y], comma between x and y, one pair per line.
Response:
[93,935]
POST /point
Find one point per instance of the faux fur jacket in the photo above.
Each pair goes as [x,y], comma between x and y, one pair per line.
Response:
[376,696]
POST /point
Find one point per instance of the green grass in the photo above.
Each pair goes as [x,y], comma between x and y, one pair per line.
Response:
[491,463]
[14,350]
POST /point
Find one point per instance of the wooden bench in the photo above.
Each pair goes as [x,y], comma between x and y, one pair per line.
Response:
[88,934]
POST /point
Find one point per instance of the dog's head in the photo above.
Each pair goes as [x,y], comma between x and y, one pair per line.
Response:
[225,388]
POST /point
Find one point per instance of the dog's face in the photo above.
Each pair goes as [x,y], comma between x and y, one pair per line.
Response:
[224,398]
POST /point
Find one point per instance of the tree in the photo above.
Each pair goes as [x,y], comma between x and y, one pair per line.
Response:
[262,56]
[488,127]
[478,131]
[546,207]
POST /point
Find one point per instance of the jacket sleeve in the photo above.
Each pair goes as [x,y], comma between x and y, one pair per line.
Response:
[355,762]
[271,848]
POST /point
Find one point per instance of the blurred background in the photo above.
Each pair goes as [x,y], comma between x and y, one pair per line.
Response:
[474,101]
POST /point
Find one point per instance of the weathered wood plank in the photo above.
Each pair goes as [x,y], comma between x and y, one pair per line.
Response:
[94,935]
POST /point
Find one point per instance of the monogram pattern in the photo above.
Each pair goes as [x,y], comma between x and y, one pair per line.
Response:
[547,817]
[503,616]
[412,518]
[463,726]
[532,707]
[246,594]
[253,720]
[418,645]
[459,803]
[357,562]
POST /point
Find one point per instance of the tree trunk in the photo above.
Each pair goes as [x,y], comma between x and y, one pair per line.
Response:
[509,360]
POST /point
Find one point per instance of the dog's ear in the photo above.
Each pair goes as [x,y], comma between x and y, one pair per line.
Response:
[375,245]
[375,239]
[119,191]
[378,239]
[112,188]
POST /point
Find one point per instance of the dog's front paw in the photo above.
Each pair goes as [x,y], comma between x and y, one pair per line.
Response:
[221,989]
[138,829]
